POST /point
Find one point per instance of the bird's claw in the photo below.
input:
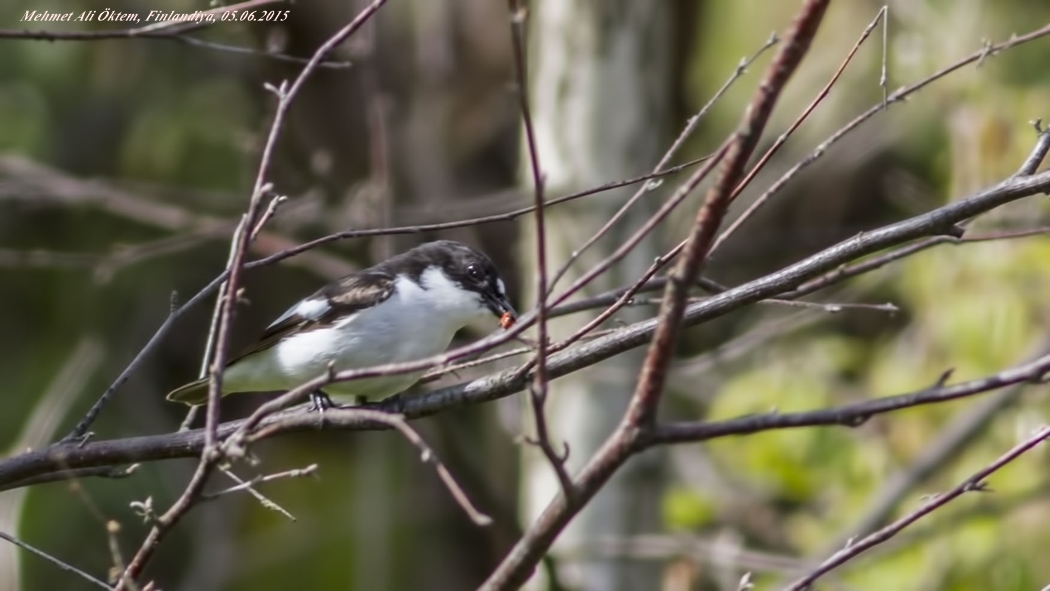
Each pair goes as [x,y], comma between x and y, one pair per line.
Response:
[319,401]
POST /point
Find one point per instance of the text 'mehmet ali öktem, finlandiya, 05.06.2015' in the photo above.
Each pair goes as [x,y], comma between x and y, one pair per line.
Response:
[155,16]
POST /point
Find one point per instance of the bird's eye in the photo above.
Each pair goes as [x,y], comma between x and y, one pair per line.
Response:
[474,271]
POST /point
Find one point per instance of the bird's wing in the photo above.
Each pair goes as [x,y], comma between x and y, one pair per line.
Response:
[331,303]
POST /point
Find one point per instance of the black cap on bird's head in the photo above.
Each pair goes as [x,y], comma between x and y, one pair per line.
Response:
[467,267]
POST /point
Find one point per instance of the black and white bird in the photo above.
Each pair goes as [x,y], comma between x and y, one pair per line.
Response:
[406,308]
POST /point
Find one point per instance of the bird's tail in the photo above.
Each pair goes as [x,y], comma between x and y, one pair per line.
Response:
[193,393]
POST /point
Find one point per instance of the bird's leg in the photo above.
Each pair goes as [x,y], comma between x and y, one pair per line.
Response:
[320,401]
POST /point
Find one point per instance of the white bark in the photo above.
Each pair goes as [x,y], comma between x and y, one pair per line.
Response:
[601,93]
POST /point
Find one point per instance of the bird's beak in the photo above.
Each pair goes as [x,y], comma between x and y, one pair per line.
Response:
[500,305]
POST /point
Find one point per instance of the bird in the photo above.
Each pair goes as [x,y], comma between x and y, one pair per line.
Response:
[405,308]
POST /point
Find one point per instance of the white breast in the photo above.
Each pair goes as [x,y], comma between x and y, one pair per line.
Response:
[415,322]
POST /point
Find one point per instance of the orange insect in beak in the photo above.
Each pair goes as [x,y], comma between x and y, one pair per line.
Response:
[506,321]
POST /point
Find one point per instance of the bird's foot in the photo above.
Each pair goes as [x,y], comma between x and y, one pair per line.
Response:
[320,401]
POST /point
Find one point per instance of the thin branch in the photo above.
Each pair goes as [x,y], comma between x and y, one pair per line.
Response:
[1003,235]
[78,474]
[684,135]
[782,139]
[897,96]
[518,565]
[263,499]
[504,383]
[104,266]
[251,51]
[213,330]
[396,421]
[34,181]
[429,457]
[85,423]
[762,334]
[848,415]
[977,482]
[650,224]
[271,210]
[160,29]
[55,561]
[642,410]
[220,338]
[499,217]
[211,452]
[247,485]
[538,388]
[190,443]
[1038,154]
[112,529]
[961,431]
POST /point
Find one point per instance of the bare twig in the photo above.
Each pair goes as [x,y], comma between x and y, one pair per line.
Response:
[247,485]
[897,96]
[213,331]
[55,561]
[643,407]
[669,547]
[937,455]
[517,566]
[849,415]
[219,339]
[112,529]
[764,332]
[280,57]
[428,456]
[171,30]
[78,474]
[977,482]
[263,499]
[211,452]
[654,220]
[189,443]
[159,29]
[26,179]
[103,265]
[538,386]
[1003,235]
[85,423]
[270,211]
[396,421]
[1038,154]
[499,217]
[684,135]
[782,139]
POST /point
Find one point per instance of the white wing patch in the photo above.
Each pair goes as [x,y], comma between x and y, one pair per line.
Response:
[308,309]
[312,309]
[502,288]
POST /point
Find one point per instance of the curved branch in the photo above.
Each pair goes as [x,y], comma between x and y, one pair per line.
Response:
[189,443]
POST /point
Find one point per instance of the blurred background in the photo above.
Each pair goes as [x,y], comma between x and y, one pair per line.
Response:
[125,163]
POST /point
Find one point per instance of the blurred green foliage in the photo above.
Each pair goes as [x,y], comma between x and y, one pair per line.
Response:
[975,308]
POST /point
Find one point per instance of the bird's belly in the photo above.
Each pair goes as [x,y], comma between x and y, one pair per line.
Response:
[365,340]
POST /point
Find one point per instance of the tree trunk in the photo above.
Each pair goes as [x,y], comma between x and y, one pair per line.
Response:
[601,93]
